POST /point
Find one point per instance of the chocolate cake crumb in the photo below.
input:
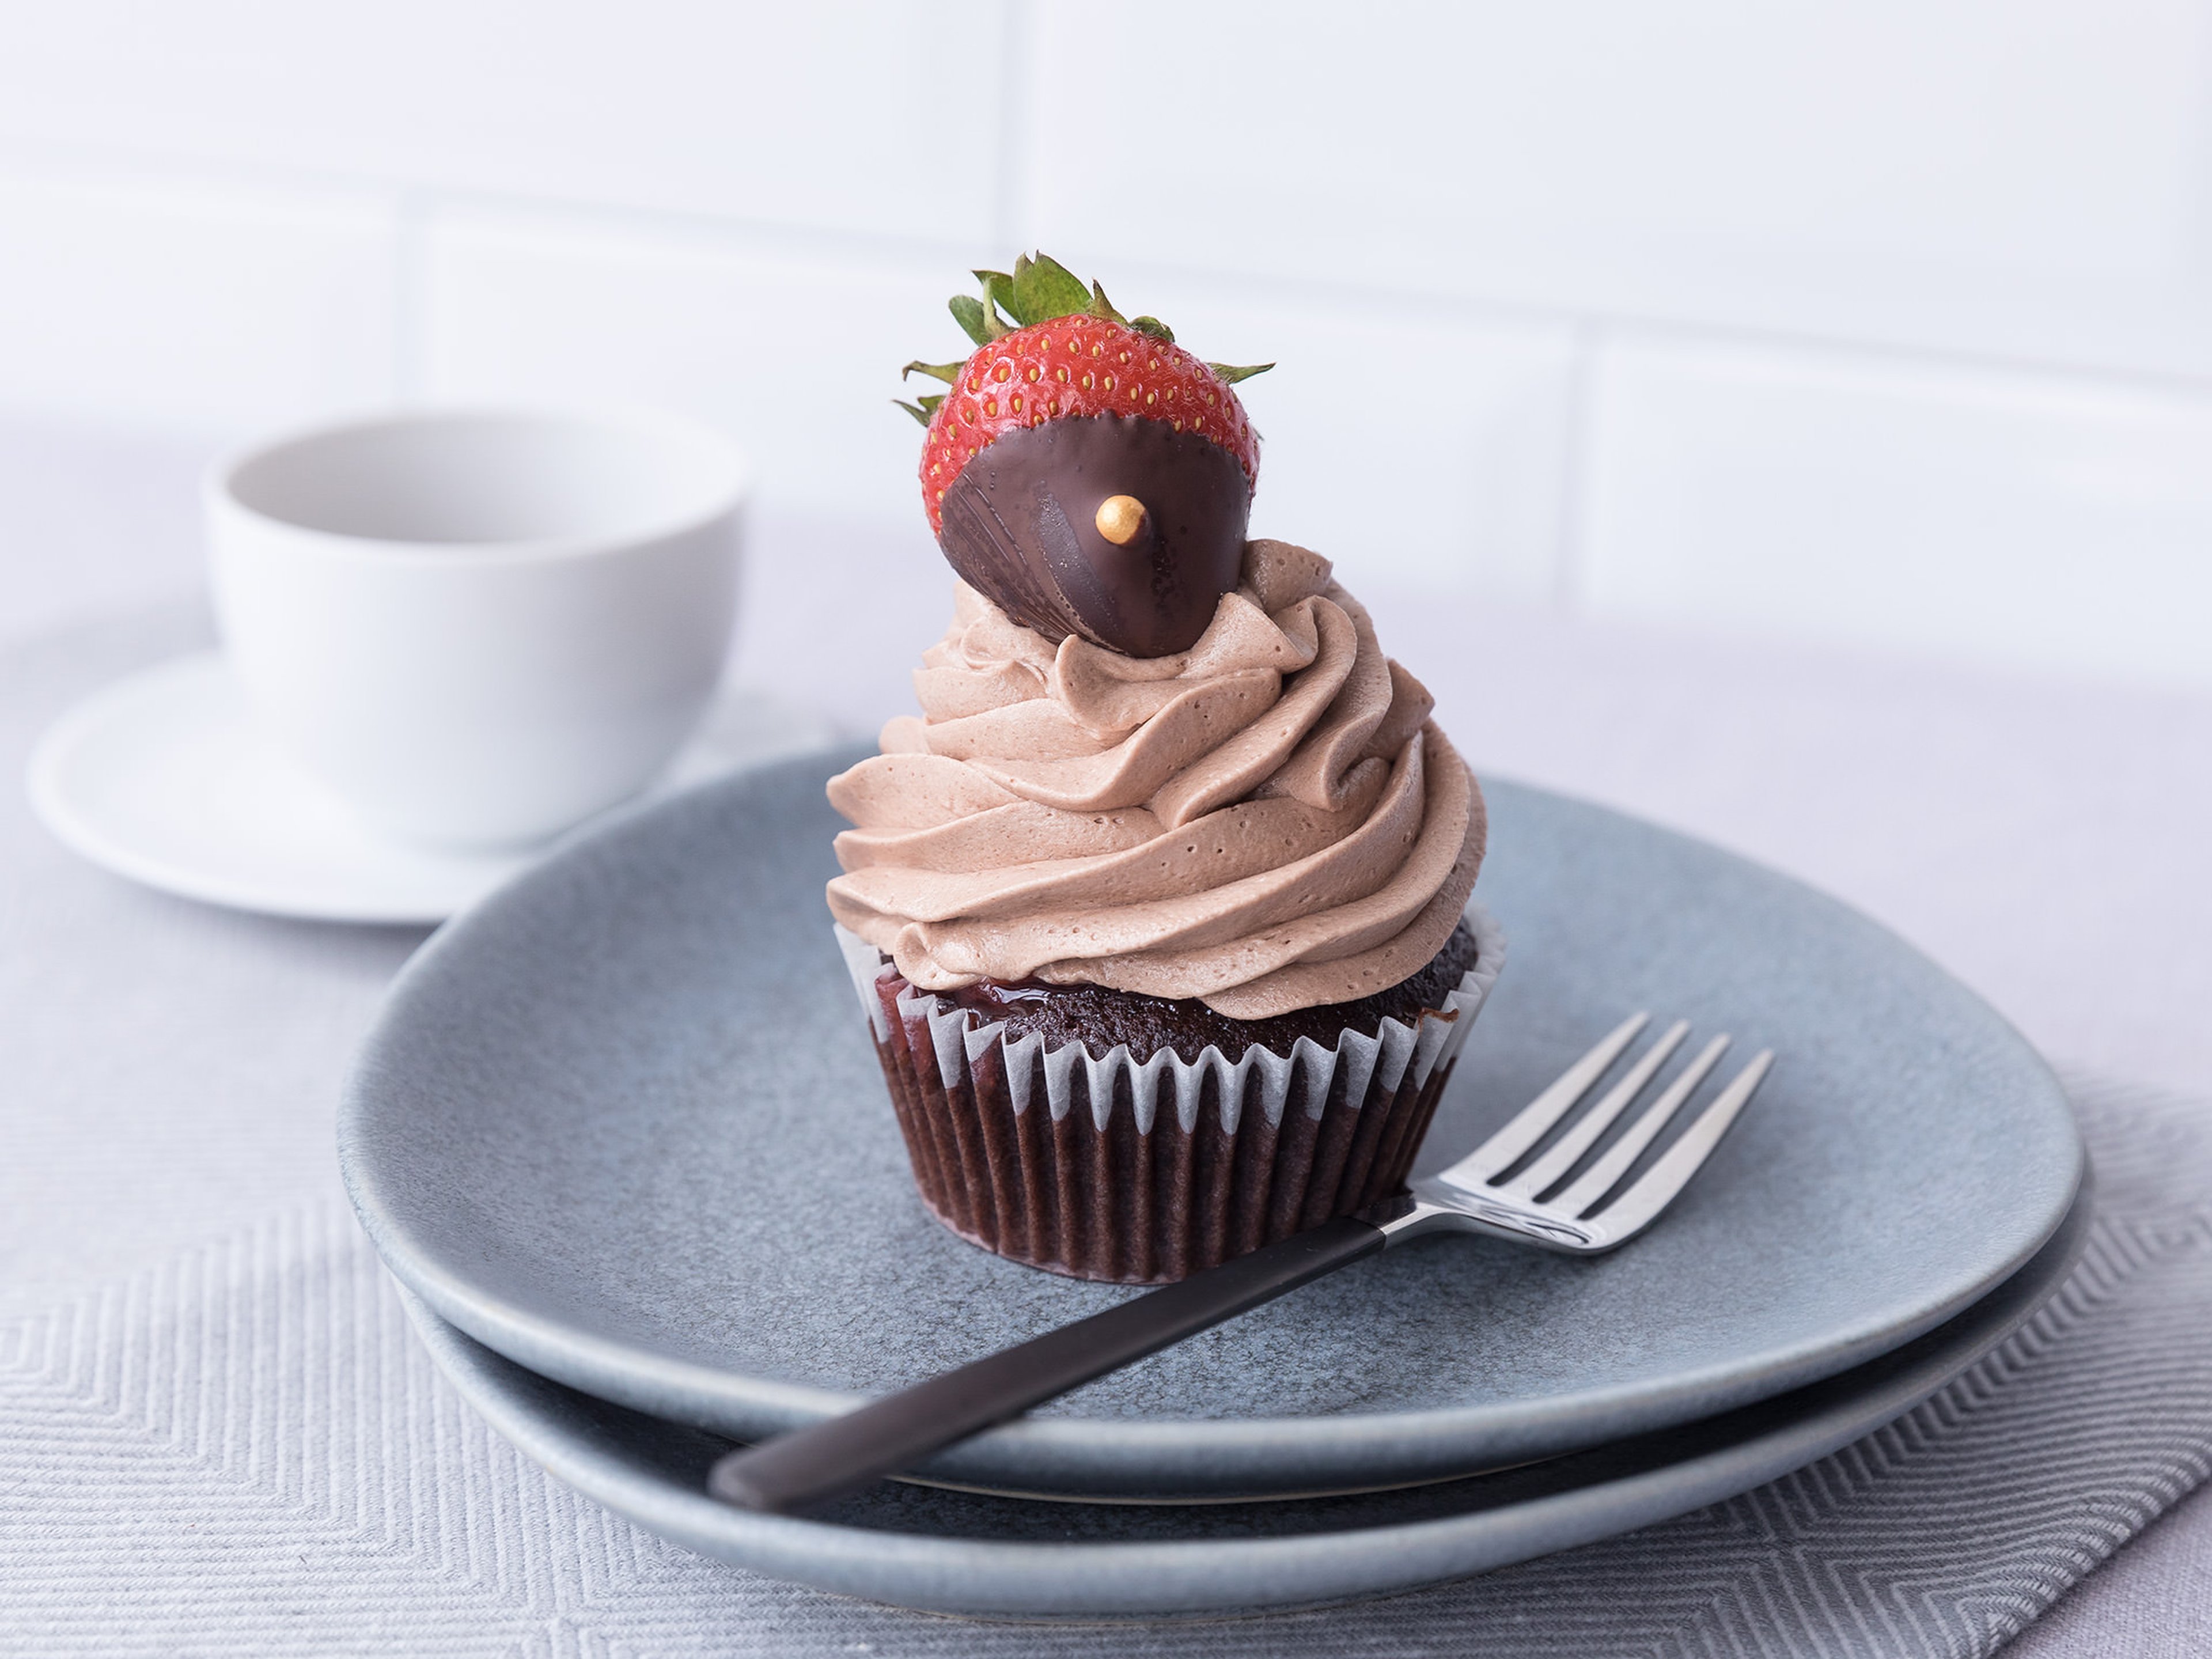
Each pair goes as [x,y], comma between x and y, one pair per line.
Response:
[1100,1018]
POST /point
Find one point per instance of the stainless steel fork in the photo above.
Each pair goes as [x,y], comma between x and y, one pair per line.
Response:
[1557,1198]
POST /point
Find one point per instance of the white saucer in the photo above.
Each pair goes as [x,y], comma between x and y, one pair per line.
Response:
[164,778]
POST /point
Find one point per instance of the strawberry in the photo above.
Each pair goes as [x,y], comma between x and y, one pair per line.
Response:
[1068,353]
[1083,472]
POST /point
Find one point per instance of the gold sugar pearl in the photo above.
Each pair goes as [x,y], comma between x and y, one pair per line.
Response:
[1119,518]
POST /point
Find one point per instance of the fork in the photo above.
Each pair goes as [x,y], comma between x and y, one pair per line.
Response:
[1498,1189]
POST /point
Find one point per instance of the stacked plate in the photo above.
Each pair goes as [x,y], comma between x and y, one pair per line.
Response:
[621,1137]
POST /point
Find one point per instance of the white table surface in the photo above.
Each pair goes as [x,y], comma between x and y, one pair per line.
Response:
[2046,841]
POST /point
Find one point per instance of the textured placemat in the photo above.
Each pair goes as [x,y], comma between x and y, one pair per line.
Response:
[243,1450]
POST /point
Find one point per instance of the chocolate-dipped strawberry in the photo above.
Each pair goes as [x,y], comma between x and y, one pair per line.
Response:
[1083,472]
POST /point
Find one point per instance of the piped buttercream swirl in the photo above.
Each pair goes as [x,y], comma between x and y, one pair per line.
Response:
[1269,821]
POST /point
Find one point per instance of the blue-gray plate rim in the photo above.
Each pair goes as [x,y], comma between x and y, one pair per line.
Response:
[916,1549]
[621,1123]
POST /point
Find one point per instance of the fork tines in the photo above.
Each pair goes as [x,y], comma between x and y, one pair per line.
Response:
[1564,1180]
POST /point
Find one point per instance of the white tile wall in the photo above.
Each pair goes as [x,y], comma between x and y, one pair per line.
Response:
[1459,432]
[93,521]
[1890,321]
[2017,176]
[806,115]
[1406,443]
[796,355]
[2013,517]
[216,308]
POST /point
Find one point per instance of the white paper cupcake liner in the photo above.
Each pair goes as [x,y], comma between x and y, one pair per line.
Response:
[1105,1167]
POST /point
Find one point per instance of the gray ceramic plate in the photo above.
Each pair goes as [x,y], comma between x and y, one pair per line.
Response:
[960,1553]
[622,1124]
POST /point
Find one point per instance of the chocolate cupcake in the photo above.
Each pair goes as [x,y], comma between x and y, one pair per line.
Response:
[1159,914]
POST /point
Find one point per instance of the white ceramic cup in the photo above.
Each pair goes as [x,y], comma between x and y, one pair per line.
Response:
[479,627]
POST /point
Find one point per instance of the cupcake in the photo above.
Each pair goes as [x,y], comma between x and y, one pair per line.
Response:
[1159,912]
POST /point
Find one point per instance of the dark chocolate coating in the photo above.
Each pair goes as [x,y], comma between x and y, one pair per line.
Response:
[1020,525]
[1099,1017]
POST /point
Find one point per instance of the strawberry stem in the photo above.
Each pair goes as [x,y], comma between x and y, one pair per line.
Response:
[998,296]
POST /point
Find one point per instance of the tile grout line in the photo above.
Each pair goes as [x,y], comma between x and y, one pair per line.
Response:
[771,238]
[1570,544]
[1010,214]
[411,343]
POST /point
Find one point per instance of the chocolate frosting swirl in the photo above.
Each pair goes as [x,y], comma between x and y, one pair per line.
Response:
[1266,822]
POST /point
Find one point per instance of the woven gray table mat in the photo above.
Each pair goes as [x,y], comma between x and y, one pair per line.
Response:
[243,1450]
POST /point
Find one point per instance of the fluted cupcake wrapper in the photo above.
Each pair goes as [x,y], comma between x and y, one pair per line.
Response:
[1145,1172]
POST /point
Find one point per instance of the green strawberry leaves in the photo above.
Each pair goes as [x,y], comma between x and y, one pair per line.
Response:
[922,408]
[968,312]
[1037,290]
[1044,288]
[998,296]
[1100,305]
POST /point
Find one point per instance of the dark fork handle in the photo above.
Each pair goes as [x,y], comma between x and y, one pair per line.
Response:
[827,1459]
